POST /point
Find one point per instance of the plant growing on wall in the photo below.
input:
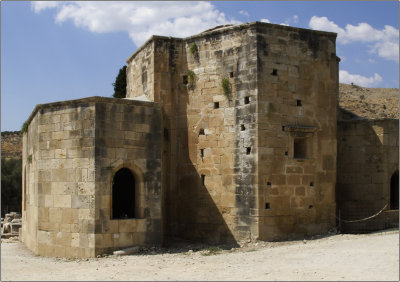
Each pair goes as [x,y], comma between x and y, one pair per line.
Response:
[194,51]
[24,127]
[191,76]
[226,86]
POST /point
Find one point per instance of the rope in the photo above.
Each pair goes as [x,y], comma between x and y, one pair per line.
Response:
[358,220]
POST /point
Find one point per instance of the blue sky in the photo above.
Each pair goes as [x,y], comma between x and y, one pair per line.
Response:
[52,51]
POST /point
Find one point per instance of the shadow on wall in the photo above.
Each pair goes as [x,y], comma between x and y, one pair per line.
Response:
[194,215]
[367,184]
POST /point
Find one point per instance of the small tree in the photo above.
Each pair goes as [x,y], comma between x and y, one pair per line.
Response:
[11,185]
[120,84]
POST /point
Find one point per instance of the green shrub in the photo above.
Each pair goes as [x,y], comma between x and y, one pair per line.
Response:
[11,185]
[226,86]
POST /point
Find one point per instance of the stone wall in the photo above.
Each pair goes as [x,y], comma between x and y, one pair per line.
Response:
[128,135]
[58,198]
[71,152]
[368,156]
[213,138]
[297,79]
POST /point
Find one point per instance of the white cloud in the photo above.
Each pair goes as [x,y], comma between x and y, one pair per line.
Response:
[385,42]
[290,21]
[265,20]
[140,20]
[244,13]
[38,6]
[346,77]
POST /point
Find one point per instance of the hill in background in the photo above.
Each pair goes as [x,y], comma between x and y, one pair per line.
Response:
[371,103]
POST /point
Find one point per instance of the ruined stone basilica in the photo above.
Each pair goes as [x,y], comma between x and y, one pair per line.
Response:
[227,135]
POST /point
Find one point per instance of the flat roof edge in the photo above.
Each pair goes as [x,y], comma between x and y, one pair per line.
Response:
[225,29]
[92,99]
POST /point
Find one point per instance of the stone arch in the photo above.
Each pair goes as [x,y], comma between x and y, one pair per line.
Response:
[394,191]
[137,192]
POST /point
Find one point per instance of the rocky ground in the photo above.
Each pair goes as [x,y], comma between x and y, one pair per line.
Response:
[335,257]
[373,103]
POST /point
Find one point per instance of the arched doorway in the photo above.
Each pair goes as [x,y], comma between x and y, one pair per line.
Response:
[123,194]
[394,191]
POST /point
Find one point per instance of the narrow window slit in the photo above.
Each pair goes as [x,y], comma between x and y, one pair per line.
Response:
[247,100]
[311,184]
[248,150]
[202,153]
[267,206]
[268,184]
[274,72]
[216,105]
[203,179]
[242,127]
[185,79]
[201,132]
[231,74]
[298,103]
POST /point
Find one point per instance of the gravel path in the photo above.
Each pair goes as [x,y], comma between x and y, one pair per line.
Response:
[337,257]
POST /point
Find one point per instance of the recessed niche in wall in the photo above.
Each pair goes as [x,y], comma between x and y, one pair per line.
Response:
[201,131]
[216,105]
[298,103]
[300,148]
[274,72]
[247,100]
[311,184]
[269,184]
[267,206]
[242,127]
[185,79]
[231,74]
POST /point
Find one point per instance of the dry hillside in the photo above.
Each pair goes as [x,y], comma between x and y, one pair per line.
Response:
[373,103]
[11,145]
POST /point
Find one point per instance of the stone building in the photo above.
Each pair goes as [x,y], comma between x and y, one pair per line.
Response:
[368,173]
[225,136]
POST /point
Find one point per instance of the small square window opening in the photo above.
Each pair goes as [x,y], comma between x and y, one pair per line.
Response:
[185,79]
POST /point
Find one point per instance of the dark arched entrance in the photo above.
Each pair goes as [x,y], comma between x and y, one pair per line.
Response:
[123,194]
[394,191]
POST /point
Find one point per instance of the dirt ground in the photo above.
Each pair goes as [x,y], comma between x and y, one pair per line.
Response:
[337,257]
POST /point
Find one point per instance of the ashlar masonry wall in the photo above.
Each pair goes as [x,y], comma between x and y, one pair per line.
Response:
[71,154]
[221,148]
[368,158]
[297,79]
[58,186]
